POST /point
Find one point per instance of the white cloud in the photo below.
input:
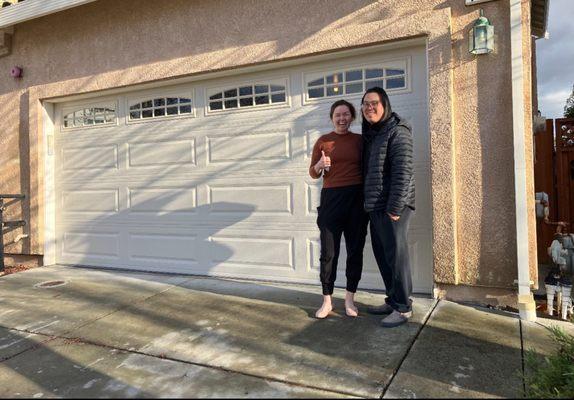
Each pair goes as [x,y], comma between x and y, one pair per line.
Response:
[555,60]
[552,104]
[553,97]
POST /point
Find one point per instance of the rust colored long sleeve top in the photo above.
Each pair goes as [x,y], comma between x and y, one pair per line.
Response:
[345,152]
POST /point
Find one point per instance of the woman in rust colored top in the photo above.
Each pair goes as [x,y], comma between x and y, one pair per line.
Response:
[337,158]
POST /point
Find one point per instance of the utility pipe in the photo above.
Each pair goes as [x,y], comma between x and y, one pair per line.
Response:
[526,304]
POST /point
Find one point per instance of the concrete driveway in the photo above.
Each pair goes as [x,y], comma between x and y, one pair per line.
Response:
[98,333]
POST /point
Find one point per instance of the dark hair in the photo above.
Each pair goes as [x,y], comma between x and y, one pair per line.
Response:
[384,101]
[343,103]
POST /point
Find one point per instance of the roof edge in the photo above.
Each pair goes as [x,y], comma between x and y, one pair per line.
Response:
[539,17]
[31,9]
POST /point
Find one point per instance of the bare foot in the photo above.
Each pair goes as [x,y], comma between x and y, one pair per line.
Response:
[325,309]
[350,309]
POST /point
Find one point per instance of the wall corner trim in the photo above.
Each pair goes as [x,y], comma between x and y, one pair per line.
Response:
[526,299]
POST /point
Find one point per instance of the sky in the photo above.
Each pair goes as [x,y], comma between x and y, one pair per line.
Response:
[555,60]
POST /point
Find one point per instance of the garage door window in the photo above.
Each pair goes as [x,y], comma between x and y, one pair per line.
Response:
[160,107]
[247,96]
[355,81]
[90,116]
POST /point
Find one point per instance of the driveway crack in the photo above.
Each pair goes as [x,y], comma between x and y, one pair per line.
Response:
[397,369]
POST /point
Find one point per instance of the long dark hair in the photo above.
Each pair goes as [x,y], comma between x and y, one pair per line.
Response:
[384,101]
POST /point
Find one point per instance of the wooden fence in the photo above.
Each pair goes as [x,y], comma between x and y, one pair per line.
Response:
[554,175]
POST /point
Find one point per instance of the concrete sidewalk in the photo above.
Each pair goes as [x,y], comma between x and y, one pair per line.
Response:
[122,334]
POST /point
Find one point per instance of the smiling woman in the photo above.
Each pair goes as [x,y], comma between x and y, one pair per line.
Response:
[389,200]
[337,157]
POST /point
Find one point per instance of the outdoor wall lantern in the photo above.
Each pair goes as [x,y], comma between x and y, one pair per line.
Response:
[481,36]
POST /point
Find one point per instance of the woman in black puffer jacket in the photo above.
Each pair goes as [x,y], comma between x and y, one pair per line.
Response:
[389,199]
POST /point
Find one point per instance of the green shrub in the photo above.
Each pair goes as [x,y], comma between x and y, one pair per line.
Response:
[551,377]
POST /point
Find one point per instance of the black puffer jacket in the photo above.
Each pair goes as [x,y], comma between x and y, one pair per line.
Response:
[388,165]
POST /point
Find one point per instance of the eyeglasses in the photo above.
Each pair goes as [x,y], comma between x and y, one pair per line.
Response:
[368,104]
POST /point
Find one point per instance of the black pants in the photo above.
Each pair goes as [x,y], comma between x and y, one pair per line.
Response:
[341,212]
[391,250]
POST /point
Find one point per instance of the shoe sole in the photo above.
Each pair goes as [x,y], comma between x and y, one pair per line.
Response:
[375,312]
[393,325]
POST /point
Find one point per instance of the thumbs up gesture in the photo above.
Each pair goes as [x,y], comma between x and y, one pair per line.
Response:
[324,163]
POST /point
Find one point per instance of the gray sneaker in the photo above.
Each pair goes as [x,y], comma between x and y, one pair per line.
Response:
[395,319]
[380,310]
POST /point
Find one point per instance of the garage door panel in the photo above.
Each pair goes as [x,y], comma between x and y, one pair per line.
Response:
[420,137]
[176,152]
[149,176]
[260,199]
[90,244]
[222,192]
[94,157]
[173,127]
[159,134]
[252,252]
[249,147]
[313,197]
[162,200]
[311,136]
[84,179]
[163,248]
[422,218]
[90,136]
[420,251]
[202,219]
[313,254]
[91,201]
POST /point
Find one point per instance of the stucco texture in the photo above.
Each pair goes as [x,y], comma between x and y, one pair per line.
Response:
[108,44]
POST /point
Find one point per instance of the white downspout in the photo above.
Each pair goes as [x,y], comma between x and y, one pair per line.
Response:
[526,304]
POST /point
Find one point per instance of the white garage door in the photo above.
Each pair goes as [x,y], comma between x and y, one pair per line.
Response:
[211,177]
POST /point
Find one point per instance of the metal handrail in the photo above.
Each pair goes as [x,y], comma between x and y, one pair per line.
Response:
[7,223]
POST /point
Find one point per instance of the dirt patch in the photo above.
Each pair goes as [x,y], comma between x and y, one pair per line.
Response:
[15,268]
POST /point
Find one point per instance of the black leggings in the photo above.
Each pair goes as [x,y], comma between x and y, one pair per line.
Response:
[341,212]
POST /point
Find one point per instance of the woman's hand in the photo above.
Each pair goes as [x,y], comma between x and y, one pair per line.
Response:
[324,163]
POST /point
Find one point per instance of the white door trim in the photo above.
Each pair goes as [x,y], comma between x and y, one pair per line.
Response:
[48,124]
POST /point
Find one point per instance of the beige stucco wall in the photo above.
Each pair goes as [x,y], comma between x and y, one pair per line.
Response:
[107,44]
[484,151]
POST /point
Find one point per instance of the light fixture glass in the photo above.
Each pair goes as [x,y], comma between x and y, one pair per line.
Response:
[481,36]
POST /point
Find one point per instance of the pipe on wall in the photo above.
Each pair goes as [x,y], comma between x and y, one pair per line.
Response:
[526,304]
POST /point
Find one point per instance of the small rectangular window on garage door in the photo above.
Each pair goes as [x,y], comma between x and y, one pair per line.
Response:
[354,81]
[263,94]
[160,106]
[89,115]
